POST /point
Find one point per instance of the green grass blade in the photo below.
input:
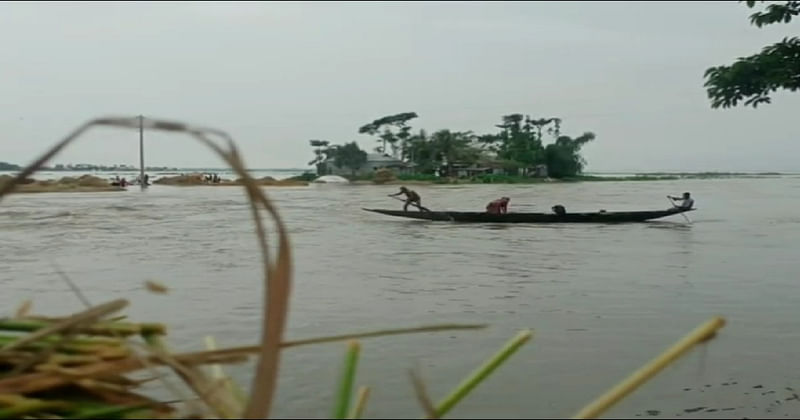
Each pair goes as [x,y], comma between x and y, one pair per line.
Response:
[346,385]
[29,406]
[479,374]
[108,412]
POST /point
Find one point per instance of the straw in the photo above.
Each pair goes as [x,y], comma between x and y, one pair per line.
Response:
[700,334]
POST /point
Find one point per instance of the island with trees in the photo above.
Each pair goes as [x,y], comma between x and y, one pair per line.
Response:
[522,149]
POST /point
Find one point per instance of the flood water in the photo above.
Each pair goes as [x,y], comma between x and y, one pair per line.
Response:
[601,300]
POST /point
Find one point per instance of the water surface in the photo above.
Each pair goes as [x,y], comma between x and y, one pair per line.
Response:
[602,300]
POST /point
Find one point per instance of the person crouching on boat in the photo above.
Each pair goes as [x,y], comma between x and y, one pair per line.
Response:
[686,201]
[411,197]
[499,206]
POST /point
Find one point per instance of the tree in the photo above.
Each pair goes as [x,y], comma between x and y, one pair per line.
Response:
[520,145]
[350,156]
[449,147]
[563,156]
[419,150]
[404,135]
[751,79]
[321,154]
[443,147]
[521,139]
[397,121]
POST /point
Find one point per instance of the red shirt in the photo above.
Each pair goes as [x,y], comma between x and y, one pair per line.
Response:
[497,206]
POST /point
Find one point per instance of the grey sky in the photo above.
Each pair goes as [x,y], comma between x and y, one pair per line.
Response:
[275,75]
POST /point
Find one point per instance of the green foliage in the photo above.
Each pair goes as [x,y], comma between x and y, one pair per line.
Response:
[752,79]
[563,157]
[320,153]
[397,121]
[481,373]
[518,147]
[306,176]
[421,177]
[505,179]
[345,391]
[349,156]
[442,148]
[774,13]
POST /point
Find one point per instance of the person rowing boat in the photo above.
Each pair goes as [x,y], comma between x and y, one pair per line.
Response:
[686,201]
[411,198]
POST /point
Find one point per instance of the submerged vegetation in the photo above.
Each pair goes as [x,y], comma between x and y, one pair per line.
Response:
[198,179]
[76,366]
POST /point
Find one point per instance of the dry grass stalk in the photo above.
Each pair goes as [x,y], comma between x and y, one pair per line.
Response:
[421,392]
[361,402]
[222,403]
[155,287]
[24,309]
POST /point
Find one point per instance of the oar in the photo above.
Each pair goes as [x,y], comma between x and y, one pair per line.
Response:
[413,204]
[682,214]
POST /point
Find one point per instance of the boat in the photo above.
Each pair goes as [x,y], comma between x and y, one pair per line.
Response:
[483,217]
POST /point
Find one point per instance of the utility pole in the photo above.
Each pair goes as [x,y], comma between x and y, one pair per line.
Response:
[141,152]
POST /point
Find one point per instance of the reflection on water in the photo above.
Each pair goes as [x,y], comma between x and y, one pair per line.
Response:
[602,299]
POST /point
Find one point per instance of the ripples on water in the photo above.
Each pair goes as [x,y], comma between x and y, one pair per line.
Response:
[601,299]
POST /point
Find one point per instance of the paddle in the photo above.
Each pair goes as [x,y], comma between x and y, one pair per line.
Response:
[682,214]
[413,204]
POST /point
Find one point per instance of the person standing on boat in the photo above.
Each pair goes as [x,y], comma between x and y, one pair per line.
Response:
[687,201]
[411,197]
[499,206]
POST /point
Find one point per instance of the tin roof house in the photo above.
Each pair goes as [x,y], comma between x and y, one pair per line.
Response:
[375,161]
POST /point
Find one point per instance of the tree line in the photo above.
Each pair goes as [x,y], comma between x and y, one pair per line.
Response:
[519,147]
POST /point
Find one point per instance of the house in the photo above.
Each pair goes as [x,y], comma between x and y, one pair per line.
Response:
[467,169]
[374,162]
[540,171]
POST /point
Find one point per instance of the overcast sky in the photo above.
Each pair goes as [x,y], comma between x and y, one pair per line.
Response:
[275,75]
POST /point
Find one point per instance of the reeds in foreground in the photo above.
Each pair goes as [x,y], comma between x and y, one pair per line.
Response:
[78,366]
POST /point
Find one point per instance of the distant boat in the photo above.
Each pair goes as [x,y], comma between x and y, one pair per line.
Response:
[483,217]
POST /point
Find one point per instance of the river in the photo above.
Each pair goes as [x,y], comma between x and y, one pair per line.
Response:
[601,300]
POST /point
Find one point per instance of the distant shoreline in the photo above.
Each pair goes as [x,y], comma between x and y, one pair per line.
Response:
[505,179]
[94,184]
[154,169]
